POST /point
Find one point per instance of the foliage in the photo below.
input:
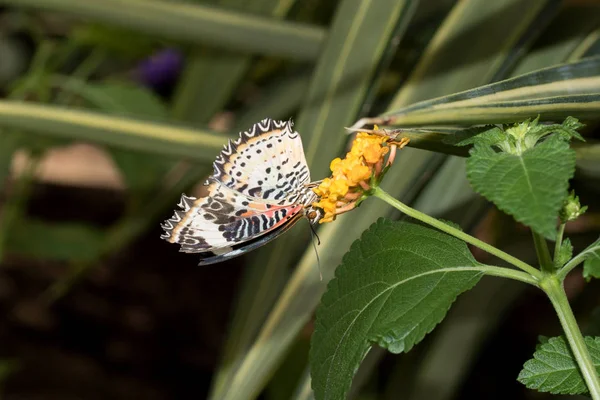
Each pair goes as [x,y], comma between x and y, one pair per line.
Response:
[591,265]
[394,286]
[504,84]
[361,306]
[553,368]
[539,174]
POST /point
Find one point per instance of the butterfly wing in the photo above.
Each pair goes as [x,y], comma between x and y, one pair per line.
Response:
[265,162]
[254,195]
[223,218]
[236,250]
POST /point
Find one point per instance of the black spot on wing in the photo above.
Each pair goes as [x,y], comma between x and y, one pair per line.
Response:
[255,191]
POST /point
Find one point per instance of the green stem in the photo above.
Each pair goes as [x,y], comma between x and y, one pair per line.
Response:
[508,273]
[33,81]
[559,239]
[81,74]
[411,212]
[555,292]
[543,254]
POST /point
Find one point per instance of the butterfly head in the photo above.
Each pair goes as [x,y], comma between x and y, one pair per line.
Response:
[307,197]
[313,214]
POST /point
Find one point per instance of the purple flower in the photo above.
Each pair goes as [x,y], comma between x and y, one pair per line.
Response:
[161,69]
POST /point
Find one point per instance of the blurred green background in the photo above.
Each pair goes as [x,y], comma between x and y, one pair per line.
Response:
[110,109]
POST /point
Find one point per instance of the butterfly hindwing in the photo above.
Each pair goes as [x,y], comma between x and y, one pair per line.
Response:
[223,218]
[224,254]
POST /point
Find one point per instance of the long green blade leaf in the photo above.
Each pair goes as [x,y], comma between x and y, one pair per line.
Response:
[114,131]
[195,23]
[585,107]
[567,88]
[472,24]
[210,78]
[280,99]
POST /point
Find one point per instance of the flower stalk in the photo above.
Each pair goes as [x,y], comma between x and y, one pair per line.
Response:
[559,240]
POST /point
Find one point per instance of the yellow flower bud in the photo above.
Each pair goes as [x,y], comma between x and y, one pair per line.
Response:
[339,187]
[323,187]
[335,164]
[359,173]
[372,153]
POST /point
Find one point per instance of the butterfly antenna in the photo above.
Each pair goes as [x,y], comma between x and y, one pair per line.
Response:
[314,235]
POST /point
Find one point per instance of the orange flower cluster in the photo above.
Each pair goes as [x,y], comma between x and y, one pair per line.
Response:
[351,175]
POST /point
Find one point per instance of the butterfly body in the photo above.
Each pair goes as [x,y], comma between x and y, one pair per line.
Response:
[259,188]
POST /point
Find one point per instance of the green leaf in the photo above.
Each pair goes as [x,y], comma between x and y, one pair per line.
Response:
[564,254]
[120,41]
[553,369]
[195,23]
[360,33]
[542,340]
[393,287]
[591,265]
[533,131]
[489,137]
[127,133]
[53,241]
[531,186]
[280,99]
[196,98]
[480,29]
[553,93]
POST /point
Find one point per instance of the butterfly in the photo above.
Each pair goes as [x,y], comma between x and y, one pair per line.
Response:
[259,189]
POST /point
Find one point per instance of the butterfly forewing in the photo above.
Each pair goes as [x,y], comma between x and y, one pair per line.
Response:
[265,162]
